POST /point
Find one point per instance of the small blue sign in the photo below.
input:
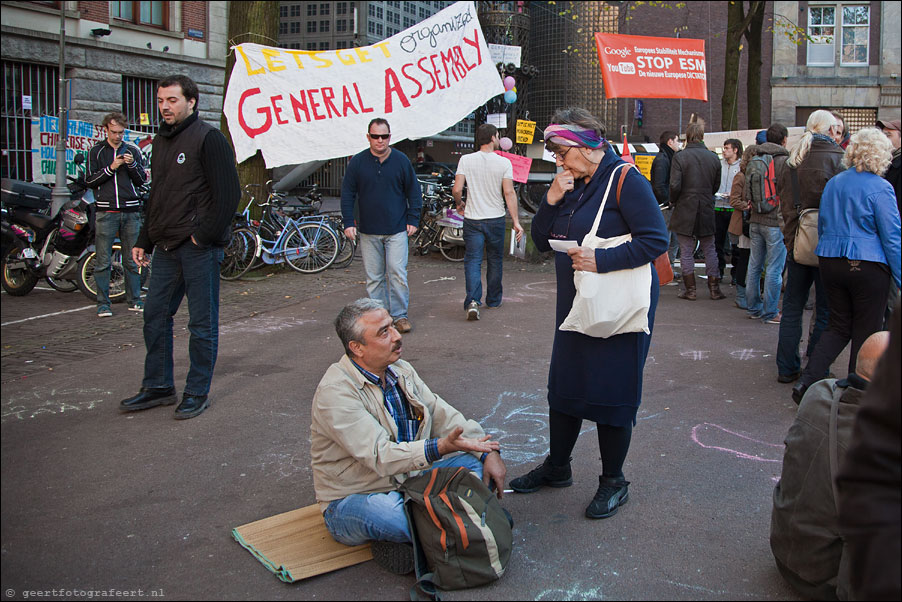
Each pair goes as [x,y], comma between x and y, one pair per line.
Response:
[195,33]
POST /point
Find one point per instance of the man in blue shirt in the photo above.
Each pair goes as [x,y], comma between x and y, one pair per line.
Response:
[381,182]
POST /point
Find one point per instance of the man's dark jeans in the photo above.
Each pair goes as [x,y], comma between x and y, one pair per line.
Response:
[487,233]
[721,224]
[192,271]
[798,282]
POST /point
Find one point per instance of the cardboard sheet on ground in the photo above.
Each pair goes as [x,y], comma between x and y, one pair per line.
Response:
[296,545]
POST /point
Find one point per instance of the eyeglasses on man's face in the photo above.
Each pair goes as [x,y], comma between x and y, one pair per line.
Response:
[379,136]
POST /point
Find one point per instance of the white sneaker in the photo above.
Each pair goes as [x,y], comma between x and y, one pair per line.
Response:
[473,311]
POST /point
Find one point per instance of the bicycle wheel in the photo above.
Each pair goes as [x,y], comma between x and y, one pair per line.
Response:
[86,282]
[450,251]
[345,253]
[61,284]
[239,255]
[311,248]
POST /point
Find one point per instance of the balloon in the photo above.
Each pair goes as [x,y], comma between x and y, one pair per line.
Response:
[506,143]
[509,83]
[510,97]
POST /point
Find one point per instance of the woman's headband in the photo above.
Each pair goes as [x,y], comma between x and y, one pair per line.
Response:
[572,135]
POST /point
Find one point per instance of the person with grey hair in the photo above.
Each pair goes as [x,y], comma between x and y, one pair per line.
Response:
[858,252]
[374,424]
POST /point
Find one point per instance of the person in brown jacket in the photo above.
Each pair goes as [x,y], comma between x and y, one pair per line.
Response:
[694,178]
[816,158]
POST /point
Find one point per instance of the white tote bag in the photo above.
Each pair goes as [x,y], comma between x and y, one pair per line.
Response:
[613,302]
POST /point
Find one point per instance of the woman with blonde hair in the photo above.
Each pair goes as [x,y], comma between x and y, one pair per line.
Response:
[859,246]
[815,159]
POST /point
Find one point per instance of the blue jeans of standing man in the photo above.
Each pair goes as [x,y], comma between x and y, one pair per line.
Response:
[189,271]
[798,282]
[385,264]
[363,517]
[488,234]
[767,247]
[107,225]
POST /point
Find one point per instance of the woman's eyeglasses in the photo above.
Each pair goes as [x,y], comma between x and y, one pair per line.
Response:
[558,154]
[379,136]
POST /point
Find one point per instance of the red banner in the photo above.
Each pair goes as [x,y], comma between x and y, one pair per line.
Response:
[646,67]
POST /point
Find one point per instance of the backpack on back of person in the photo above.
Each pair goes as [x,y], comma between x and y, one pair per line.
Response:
[462,536]
[761,184]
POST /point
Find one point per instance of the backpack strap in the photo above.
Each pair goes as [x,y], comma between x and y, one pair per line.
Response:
[623,173]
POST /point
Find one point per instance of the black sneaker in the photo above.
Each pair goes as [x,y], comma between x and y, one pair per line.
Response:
[545,475]
[612,493]
[394,557]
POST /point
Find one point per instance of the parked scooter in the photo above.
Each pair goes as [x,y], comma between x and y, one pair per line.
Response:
[440,225]
[40,244]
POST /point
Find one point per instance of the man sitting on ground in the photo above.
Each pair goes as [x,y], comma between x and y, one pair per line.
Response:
[804,533]
[374,424]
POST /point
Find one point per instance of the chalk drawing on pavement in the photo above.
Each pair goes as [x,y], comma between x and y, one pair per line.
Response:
[519,421]
[696,355]
[281,465]
[262,324]
[573,593]
[443,278]
[747,354]
[716,437]
[57,401]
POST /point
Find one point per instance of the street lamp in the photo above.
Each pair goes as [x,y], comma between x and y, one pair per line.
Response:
[60,195]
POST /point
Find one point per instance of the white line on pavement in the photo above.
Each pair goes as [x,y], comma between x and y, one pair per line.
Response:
[68,311]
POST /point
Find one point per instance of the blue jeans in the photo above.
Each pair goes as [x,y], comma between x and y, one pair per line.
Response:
[107,225]
[767,247]
[363,517]
[185,271]
[798,282]
[385,264]
[487,233]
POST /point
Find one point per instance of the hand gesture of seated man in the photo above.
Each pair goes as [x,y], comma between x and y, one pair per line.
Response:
[374,422]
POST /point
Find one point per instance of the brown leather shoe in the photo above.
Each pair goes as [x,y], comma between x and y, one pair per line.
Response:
[714,289]
[403,325]
[688,292]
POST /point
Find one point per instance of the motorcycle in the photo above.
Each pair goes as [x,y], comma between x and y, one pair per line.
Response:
[40,241]
[440,225]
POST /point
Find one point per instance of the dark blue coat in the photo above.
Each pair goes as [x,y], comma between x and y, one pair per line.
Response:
[593,378]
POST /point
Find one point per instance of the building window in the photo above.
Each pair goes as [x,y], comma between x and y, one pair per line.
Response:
[408,22]
[410,7]
[324,26]
[378,29]
[371,27]
[139,95]
[311,26]
[39,84]
[311,45]
[295,10]
[324,9]
[324,45]
[283,28]
[341,25]
[152,14]
[311,10]
[295,27]
[283,11]
[341,8]
[853,31]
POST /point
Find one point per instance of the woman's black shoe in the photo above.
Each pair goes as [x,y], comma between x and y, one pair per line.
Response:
[612,493]
[545,475]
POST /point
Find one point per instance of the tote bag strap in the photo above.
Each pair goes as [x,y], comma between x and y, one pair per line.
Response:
[604,201]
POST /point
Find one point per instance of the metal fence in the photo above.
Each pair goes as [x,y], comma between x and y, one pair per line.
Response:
[28,91]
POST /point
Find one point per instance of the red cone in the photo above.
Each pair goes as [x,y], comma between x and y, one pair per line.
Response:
[625,154]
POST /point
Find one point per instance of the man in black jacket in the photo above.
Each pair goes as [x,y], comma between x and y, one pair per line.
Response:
[115,170]
[694,178]
[192,201]
[668,144]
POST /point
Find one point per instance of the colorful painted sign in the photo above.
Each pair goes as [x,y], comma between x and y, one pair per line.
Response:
[302,105]
[520,164]
[526,131]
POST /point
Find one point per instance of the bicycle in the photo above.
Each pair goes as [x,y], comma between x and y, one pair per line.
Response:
[436,228]
[306,244]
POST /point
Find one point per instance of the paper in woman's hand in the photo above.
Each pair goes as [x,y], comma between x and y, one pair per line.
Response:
[562,245]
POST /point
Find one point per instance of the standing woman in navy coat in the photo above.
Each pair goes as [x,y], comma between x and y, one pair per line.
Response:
[593,378]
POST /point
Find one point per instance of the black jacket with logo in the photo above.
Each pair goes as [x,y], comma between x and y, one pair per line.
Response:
[115,189]
[195,189]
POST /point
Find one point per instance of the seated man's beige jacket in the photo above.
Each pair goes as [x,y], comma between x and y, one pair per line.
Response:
[353,437]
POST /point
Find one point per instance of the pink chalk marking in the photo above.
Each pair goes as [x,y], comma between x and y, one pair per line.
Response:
[736,453]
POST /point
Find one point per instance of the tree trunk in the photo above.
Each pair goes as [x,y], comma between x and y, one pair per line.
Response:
[753,81]
[728,103]
[261,18]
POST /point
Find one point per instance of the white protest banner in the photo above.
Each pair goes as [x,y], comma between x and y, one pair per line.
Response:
[297,105]
[82,136]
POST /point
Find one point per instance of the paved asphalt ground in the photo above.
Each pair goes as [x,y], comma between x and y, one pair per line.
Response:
[97,500]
